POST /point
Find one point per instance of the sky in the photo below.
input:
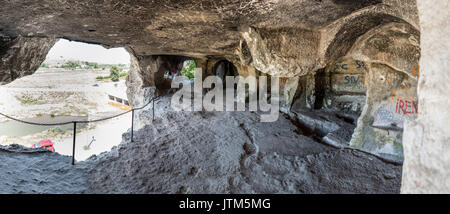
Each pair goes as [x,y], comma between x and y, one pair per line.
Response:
[65,49]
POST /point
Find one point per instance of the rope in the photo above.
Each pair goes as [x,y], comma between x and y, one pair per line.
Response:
[86,121]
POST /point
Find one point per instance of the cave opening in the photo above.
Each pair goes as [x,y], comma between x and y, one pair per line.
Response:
[76,82]
[224,68]
[187,70]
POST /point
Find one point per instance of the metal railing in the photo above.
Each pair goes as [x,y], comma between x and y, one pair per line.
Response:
[90,121]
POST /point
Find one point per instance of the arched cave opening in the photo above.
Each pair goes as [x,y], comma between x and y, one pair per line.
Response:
[76,82]
[224,68]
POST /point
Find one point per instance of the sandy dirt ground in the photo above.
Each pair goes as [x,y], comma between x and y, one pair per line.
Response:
[106,135]
[73,92]
[209,152]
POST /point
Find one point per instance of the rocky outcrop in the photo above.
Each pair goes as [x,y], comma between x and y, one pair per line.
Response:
[426,140]
[189,28]
[281,52]
[375,80]
[390,53]
[21,56]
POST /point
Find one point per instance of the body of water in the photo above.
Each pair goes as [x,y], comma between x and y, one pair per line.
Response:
[14,128]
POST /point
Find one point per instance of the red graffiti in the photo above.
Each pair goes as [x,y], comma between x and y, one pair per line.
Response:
[405,107]
[283,81]
[416,70]
[244,68]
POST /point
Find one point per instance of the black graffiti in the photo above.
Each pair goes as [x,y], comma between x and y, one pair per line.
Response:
[351,80]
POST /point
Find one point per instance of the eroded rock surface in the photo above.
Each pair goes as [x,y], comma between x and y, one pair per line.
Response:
[21,56]
[270,35]
[426,139]
[34,171]
[232,152]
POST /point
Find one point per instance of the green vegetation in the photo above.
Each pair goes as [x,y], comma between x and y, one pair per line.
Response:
[57,131]
[43,65]
[86,65]
[29,101]
[189,70]
[92,65]
[115,73]
[106,66]
[71,65]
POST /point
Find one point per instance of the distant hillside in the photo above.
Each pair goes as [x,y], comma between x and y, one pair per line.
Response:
[77,64]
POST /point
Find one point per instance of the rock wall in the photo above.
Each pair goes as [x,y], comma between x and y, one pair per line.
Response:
[21,56]
[346,88]
[374,82]
[281,51]
[195,28]
[426,140]
[390,54]
[305,96]
[146,81]
[138,94]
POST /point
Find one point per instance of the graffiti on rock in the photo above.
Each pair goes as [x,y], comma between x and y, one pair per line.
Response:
[351,79]
[348,83]
[385,117]
[404,106]
[358,64]
[393,113]
[348,76]
[411,68]
[283,81]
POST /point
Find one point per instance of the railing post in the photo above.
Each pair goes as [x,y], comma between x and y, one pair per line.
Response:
[153,109]
[74,136]
[132,124]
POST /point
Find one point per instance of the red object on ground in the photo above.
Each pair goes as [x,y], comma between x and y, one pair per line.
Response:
[45,144]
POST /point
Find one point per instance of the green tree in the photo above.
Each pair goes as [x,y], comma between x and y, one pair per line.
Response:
[71,65]
[92,65]
[114,73]
[189,69]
